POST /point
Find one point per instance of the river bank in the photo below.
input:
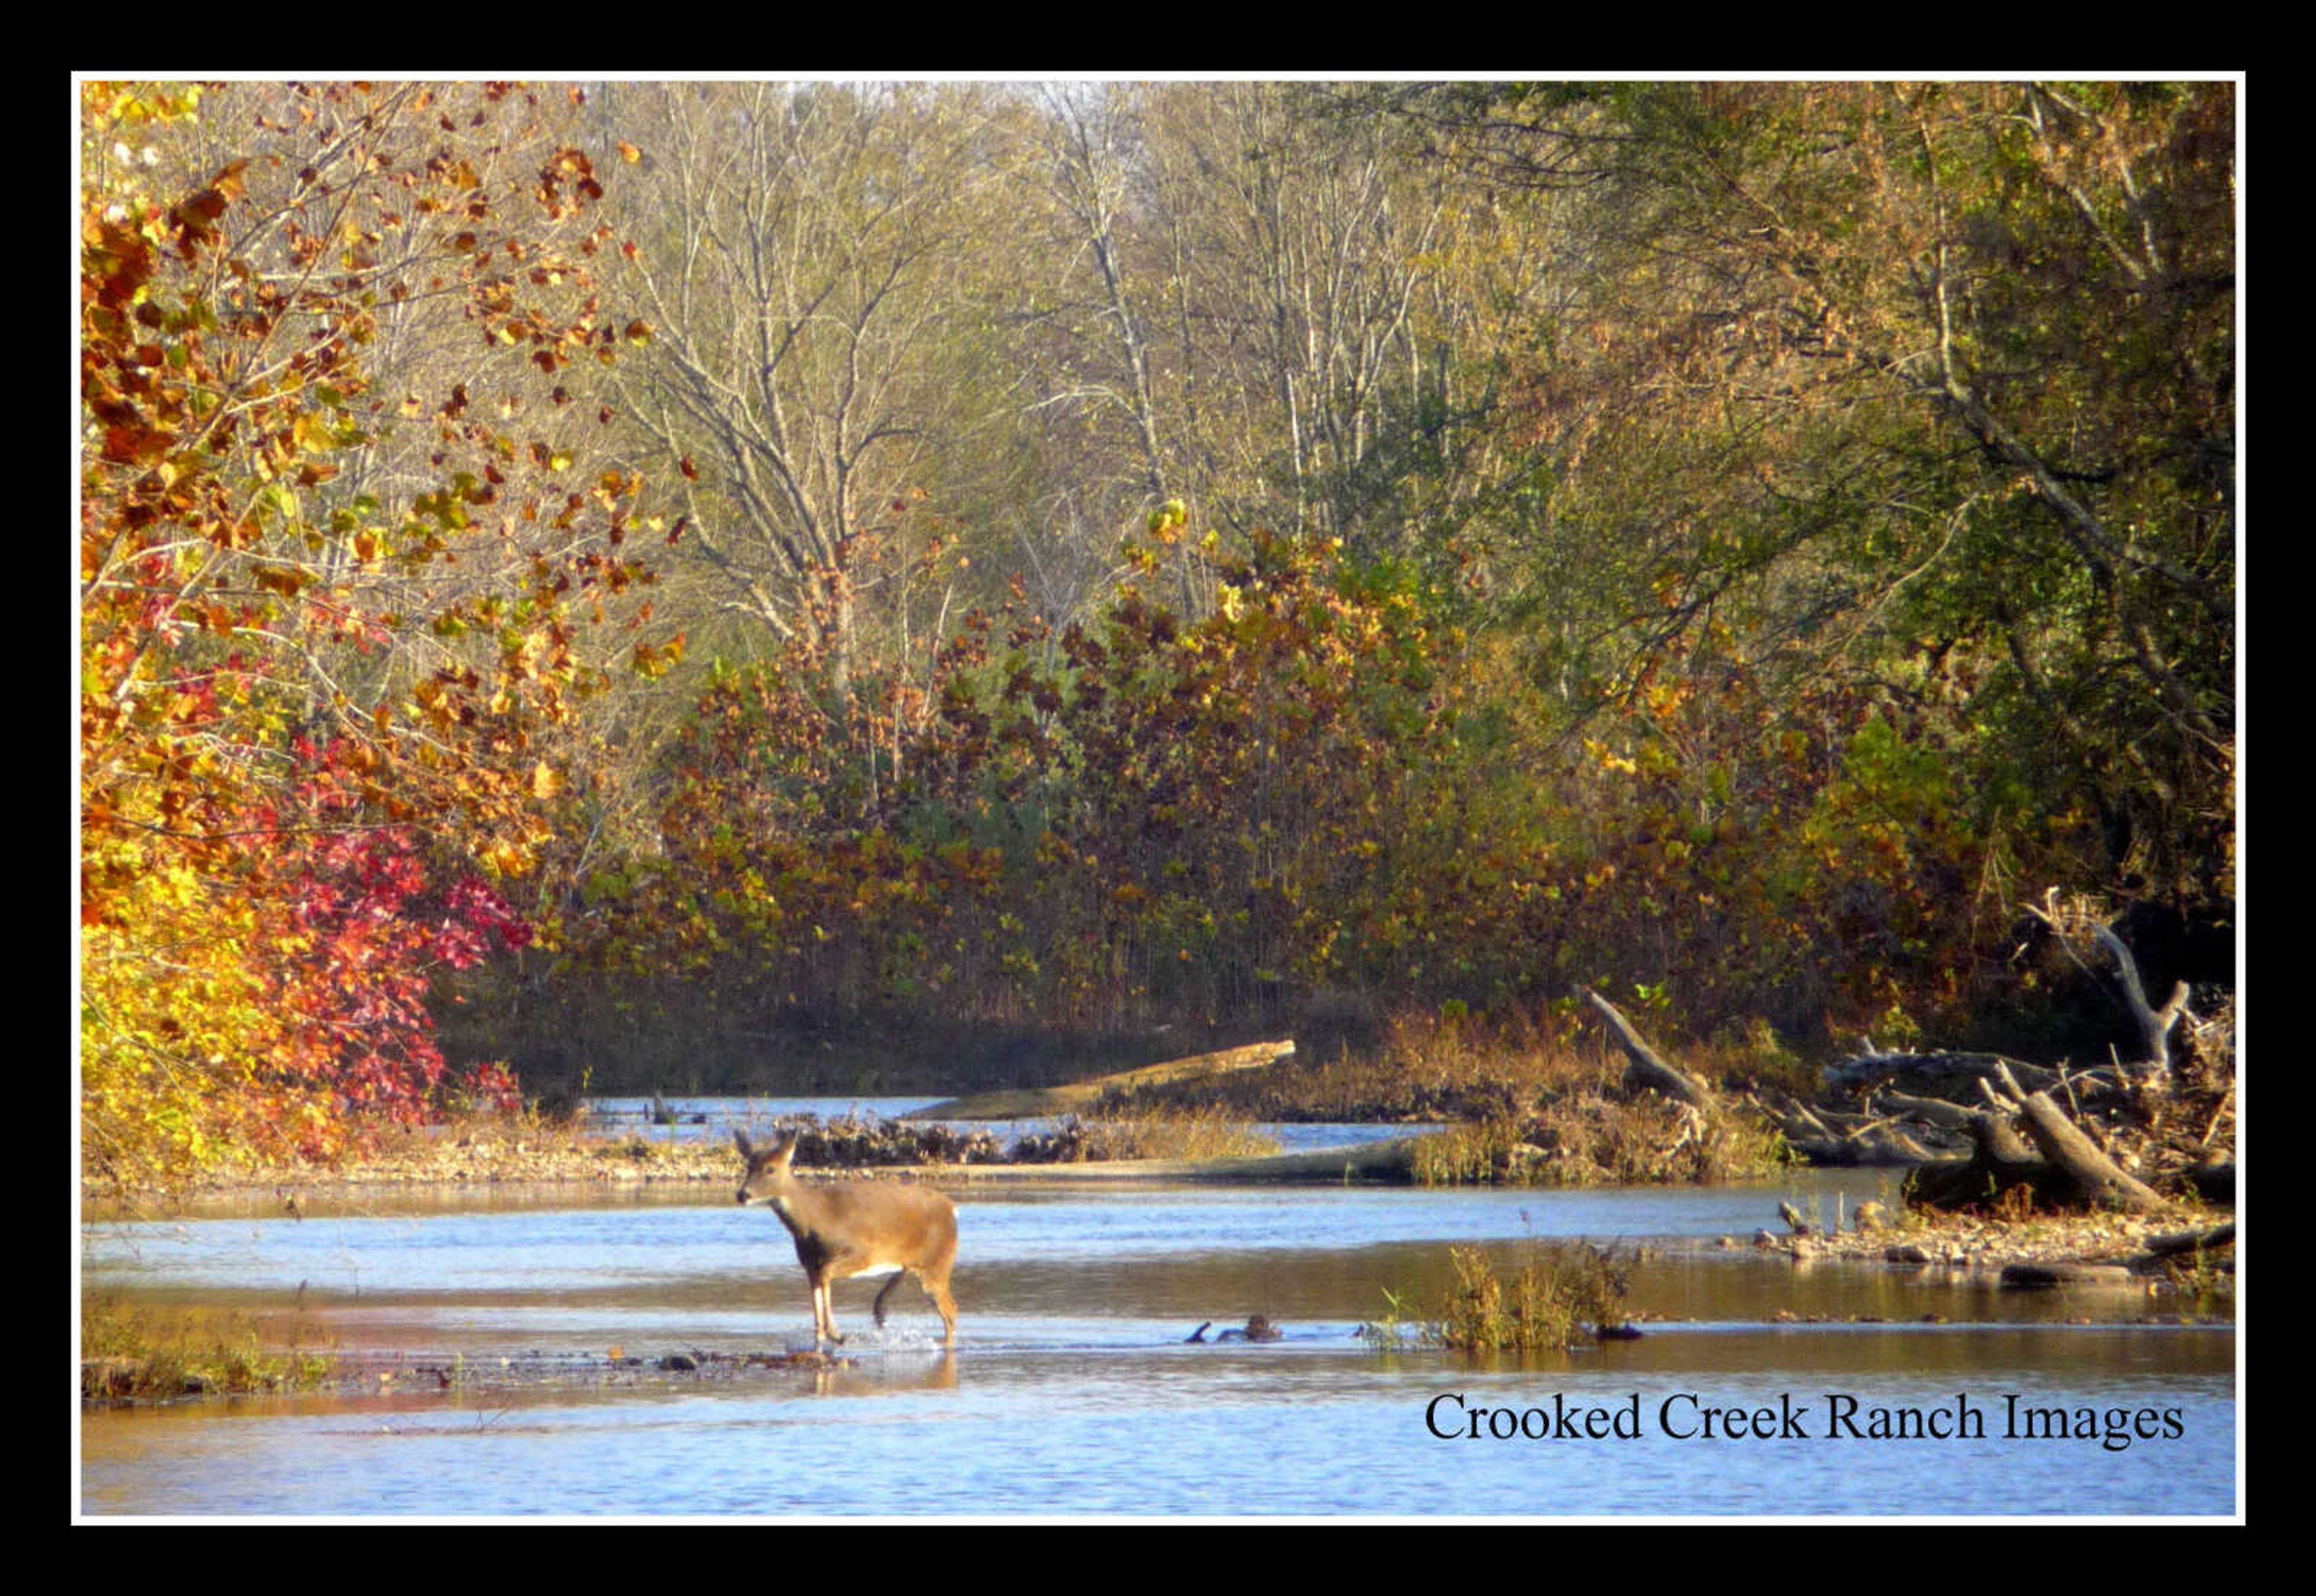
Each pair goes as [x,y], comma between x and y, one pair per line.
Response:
[497,1157]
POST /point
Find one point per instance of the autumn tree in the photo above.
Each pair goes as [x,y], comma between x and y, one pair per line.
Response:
[1920,387]
[314,744]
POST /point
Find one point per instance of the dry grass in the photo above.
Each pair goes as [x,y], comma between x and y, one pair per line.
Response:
[139,1352]
[1592,1141]
[1150,1132]
[1550,1298]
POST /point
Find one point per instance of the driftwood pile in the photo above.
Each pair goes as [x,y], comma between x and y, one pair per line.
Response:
[1979,1129]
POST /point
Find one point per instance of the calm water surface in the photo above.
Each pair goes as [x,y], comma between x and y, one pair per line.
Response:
[1072,1391]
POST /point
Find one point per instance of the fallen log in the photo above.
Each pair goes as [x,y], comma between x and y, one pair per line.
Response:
[1935,1111]
[2000,1159]
[1798,1121]
[1945,1074]
[2102,1184]
[1888,1149]
[2191,1241]
[1644,1067]
[1034,1103]
[2062,1166]
[1830,1138]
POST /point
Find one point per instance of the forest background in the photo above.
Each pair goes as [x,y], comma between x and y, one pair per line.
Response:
[721,586]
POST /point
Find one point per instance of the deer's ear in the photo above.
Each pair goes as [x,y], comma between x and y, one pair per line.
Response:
[740,1137]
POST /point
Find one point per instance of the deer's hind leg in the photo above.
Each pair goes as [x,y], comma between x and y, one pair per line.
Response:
[878,1309]
[938,1292]
[934,1281]
[934,1277]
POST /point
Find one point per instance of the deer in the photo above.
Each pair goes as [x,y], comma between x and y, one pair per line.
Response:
[845,1228]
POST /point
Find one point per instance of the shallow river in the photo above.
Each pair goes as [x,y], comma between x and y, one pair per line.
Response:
[1073,1392]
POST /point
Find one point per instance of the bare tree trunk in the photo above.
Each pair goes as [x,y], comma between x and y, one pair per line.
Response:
[2154,1024]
